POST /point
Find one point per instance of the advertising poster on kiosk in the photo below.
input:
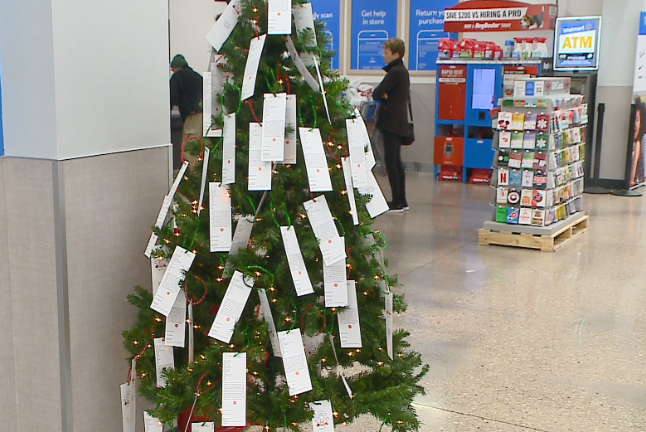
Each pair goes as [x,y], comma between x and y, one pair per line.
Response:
[576,43]
[426,30]
[329,11]
[373,23]
[638,162]
[491,15]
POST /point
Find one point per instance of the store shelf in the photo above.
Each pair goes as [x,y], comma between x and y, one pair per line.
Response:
[490,61]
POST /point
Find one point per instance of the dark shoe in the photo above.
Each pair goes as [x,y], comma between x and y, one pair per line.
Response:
[395,208]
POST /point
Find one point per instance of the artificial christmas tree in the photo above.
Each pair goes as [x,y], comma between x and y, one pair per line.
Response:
[269,248]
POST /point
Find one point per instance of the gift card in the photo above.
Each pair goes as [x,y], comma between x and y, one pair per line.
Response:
[529,141]
[516,178]
[517,140]
[513,214]
[528,179]
[525,217]
[526,198]
[515,159]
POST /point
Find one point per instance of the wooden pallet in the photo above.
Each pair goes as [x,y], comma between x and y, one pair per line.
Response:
[529,241]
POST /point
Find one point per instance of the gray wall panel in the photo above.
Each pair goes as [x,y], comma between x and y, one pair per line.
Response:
[32,266]
[423,100]
[7,364]
[111,202]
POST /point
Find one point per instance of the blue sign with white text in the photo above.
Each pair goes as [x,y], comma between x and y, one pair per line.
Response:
[642,24]
[373,23]
[329,11]
[426,30]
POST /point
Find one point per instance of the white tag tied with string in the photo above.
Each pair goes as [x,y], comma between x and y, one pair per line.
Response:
[388,315]
[297,267]
[234,389]
[205,175]
[164,359]
[307,76]
[251,68]
[323,420]
[266,312]
[231,308]
[224,25]
[152,424]
[295,362]
[128,399]
[318,73]
[229,149]
[339,368]
[349,187]
[170,284]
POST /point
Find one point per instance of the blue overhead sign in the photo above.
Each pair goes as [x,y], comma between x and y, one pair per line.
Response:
[426,30]
[329,11]
[373,23]
[642,24]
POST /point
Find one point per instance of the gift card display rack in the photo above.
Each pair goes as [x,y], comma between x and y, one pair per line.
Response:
[538,176]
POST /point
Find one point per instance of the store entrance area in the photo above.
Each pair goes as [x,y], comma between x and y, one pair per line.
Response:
[521,340]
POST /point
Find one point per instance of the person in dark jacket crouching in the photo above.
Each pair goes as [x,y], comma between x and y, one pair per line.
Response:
[186,94]
[392,121]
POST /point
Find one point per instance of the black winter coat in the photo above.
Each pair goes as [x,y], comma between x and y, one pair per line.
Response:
[186,91]
[393,112]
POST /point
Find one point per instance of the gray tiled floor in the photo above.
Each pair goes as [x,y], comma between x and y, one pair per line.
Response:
[520,340]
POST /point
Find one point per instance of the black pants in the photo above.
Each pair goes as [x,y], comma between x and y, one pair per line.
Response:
[395,167]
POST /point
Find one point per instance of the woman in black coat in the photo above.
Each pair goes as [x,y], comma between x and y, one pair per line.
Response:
[393,92]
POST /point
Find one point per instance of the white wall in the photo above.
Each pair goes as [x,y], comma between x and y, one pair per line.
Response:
[190,22]
[84,78]
[28,100]
[112,91]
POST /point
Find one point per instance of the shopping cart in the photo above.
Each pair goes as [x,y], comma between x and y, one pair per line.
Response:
[369,111]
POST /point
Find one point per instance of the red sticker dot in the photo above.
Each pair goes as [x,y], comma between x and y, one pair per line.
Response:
[168,293]
[300,273]
[298,373]
[229,162]
[358,165]
[350,326]
[259,168]
[235,403]
[176,325]
[329,241]
[274,139]
[278,13]
[228,319]
[221,229]
[318,170]
[286,142]
[336,285]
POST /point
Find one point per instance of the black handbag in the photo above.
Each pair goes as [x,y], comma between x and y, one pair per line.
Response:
[410,139]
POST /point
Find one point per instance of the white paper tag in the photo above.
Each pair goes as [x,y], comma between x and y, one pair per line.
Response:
[224,26]
[178,180]
[151,245]
[339,368]
[234,389]
[297,266]
[347,173]
[323,420]
[318,74]
[202,427]
[164,359]
[304,19]
[335,283]
[128,406]
[151,424]
[205,175]
[240,237]
[377,204]
[231,308]
[229,150]
[349,327]
[295,362]
[279,19]
[388,314]
[356,143]
[266,311]
[176,322]
[207,98]
[220,217]
[163,212]
[158,266]
[315,160]
[259,171]
[170,285]
[290,123]
[191,335]
[331,245]
[307,76]
[251,68]
[273,127]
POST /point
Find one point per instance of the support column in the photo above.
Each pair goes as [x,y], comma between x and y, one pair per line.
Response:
[86,166]
[619,31]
